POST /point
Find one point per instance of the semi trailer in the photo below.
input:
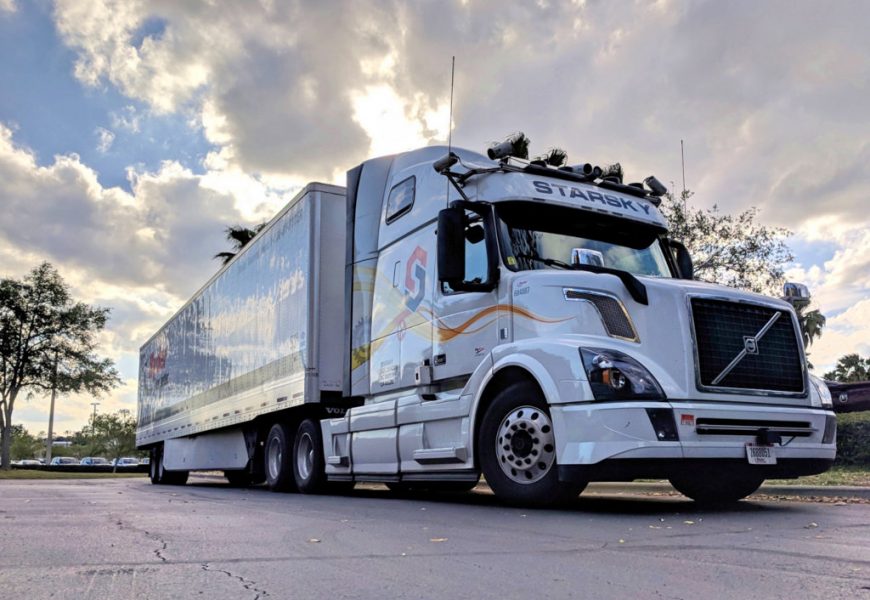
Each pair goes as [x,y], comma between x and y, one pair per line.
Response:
[449,314]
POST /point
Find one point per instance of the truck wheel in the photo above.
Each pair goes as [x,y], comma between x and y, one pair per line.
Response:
[308,462]
[158,473]
[155,465]
[279,450]
[517,449]
[726,487]
[174,477]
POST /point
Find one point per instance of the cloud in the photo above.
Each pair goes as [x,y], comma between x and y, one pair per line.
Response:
[105,138]
[302,89]
[127,118]
[771,107]
[141,254]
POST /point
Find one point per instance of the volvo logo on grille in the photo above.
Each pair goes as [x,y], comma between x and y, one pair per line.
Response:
[750,344]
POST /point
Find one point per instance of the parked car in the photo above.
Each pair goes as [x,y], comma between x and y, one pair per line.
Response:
[93,461]
[63,461]
[29,462]
[145,461]
[127,461]
[850,397]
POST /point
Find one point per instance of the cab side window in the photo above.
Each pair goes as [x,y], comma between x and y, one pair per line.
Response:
[401,199]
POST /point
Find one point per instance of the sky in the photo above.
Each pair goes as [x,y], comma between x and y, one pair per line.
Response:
[133,132]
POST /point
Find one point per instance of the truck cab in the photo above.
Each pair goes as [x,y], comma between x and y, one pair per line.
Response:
[539,327]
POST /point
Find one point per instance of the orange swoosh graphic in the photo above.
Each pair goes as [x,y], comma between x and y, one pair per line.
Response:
[447,333]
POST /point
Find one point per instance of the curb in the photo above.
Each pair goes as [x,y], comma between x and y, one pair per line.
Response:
[804,491]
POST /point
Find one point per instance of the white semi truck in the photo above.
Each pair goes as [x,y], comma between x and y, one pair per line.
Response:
[447,315]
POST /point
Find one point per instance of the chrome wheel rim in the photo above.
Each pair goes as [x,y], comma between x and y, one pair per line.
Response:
[275,457]
[305,456]
[525,446]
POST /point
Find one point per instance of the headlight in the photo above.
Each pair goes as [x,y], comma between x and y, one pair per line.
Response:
[616,376]
[823,392]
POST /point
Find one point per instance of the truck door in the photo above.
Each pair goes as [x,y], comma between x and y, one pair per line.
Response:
[465,323]
[434,422]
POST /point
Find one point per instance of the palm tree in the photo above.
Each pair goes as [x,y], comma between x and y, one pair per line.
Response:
[239,236]
[850,368]
[811,324]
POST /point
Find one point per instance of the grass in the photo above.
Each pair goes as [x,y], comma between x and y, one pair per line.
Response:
[846,475]
[33,474]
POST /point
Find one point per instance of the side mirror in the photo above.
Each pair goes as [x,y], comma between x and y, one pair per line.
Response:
[454,232]
[584,256]
[451,246]
[796,294]
[683,258]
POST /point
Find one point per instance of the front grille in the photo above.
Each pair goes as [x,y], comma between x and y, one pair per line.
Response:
[722,330]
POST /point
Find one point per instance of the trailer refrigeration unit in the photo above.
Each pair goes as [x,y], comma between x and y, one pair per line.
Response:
[448,315]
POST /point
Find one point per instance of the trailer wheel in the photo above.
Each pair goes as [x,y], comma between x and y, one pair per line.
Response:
[719,488]
[308,461]
[174,477]
[516,446]
[155,466]
[277,457]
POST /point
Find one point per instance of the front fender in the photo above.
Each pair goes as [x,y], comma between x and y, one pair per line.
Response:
[554,365]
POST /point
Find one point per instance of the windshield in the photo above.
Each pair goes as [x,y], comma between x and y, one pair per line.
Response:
[538,236]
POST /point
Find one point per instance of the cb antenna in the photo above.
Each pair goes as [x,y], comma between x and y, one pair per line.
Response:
[450,122]
[450,118]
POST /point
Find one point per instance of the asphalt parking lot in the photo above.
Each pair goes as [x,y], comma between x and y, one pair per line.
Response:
[125,538]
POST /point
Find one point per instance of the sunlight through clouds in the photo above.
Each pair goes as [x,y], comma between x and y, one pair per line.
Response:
[395,125]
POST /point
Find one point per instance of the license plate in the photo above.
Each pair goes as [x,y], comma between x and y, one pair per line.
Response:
[760,455]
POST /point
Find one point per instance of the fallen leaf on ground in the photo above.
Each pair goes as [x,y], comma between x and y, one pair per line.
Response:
[437,539]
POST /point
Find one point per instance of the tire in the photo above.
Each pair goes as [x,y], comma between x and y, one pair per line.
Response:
[158,473]
[155,466]
[717,488]
[516,449]
[308,461]
[277,458]
[238,478]
[174,477]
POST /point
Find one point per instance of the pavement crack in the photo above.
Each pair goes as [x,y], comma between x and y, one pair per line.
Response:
[249,585]
[151,536]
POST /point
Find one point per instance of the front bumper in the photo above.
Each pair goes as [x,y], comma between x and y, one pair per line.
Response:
[620,441]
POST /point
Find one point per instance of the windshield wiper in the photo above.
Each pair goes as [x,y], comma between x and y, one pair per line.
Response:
[550,262]
[635,288]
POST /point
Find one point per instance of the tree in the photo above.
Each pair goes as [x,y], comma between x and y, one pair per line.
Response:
[239,236]
[812,322]
[114,435]
[47,341]
[850,368]
[23,445]
[731,250]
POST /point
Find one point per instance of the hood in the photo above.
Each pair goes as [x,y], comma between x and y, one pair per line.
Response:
[687,334]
